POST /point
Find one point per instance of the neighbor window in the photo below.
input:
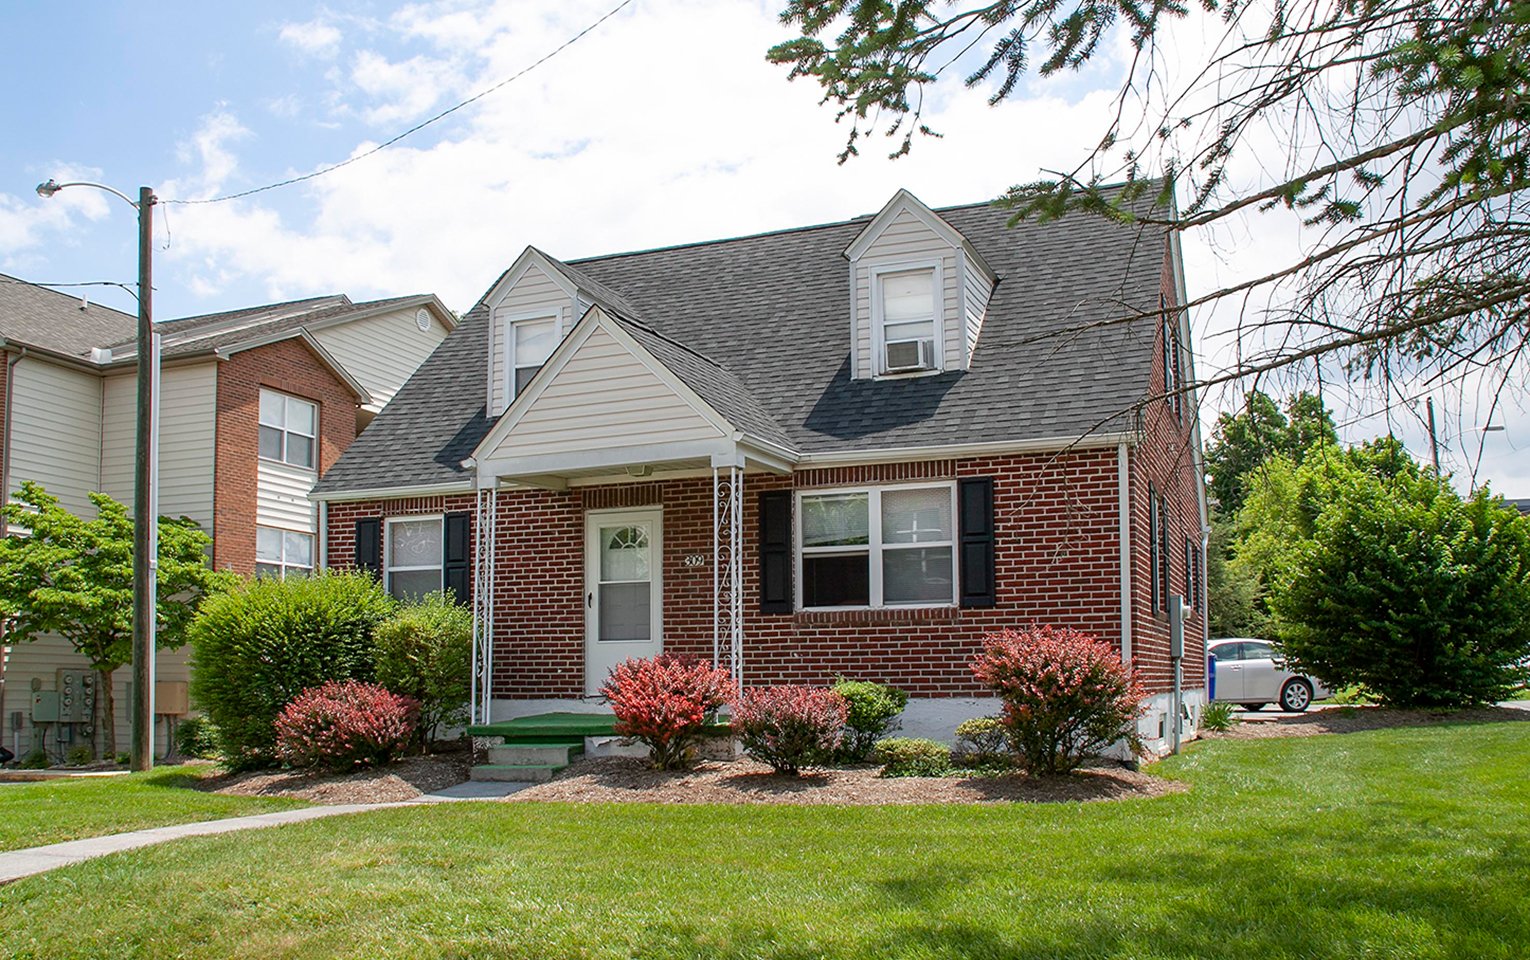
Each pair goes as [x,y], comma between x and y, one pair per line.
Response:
[531,342]
[283,553]
[882,547]
[907,317]
[288,428]
[414,554]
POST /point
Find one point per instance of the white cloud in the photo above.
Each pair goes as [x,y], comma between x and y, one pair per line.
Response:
[401,90]
[315,37]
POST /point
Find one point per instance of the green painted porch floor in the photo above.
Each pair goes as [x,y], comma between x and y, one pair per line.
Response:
[549,728]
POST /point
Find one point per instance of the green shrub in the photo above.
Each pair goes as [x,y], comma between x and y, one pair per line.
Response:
[258,647]
[36,760]
[124,759]
[982,742]
[196,737]
[874,708]
[1218,717]
[913,757]
[79,756]
[425,651]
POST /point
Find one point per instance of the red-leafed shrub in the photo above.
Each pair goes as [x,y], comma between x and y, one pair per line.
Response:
[789,727]
[664,702]
[345,724]
[1067,696]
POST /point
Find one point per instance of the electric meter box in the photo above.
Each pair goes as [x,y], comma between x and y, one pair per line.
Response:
[76,696]
[44,706]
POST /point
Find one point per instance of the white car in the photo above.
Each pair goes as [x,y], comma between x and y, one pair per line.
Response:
[1250,674]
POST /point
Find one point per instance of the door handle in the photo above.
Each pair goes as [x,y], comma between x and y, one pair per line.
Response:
[589,599]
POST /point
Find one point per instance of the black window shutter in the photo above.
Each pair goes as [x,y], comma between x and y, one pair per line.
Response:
[975,509]
[369,545]
[454,566]
[776,551]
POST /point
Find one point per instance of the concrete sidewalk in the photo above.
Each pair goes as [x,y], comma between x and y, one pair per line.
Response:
[16,864]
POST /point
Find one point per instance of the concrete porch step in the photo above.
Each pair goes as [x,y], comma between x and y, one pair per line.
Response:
[520,754]
[515,772]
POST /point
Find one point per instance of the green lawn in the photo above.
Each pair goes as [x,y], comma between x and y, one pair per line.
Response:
[1392,844]
[33,814]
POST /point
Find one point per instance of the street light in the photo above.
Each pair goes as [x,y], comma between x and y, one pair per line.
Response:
[145,505]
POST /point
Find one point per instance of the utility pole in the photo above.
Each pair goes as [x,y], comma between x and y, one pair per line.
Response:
[1434,443]
[145,538]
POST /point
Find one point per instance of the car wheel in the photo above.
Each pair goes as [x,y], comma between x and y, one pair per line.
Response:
[1296,695]
[1252,706]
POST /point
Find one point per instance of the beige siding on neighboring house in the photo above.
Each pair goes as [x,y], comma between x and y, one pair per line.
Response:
[56,431]
[187,436]
[907,240]
[41,659]
[281,496]
[604,397]
[382,351]
[535,292]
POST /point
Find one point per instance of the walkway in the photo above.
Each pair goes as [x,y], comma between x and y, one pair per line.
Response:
[16,864]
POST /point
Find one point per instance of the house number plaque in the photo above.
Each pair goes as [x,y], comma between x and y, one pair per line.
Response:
[694,560]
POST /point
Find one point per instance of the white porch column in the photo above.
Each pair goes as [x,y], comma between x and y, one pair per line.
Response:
[728,562]
[483,608]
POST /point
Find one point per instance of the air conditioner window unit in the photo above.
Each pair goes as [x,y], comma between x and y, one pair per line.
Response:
[904,355]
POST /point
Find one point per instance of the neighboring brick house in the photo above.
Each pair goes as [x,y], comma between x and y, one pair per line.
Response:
[842,450]
[255,405]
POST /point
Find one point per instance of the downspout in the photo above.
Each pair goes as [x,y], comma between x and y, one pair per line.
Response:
[323,534]
[1124,527]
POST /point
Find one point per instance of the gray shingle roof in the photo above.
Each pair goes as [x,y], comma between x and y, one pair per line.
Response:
[40,317]
[766,315]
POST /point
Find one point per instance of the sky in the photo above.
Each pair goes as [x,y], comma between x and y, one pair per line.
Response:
[663,125]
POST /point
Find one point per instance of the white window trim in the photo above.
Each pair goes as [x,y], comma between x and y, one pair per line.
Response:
[874,545]
[938,294]
[283,565]
[387,553]
[310,468]
[508,322]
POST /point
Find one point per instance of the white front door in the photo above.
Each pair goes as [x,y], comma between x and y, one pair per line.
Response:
[624,590]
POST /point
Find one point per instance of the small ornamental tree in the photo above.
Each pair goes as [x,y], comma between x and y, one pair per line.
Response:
[1411,592]
[65,575]
[789,727]
[1067,696]
[664,702]
[425,651]
[343,725]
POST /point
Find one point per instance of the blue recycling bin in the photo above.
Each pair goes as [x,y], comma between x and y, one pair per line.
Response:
[1211,677]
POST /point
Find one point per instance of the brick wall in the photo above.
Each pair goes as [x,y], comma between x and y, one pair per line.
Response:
[1057,561]
[288,366]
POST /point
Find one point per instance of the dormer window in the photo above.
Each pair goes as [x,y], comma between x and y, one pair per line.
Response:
[531,342]
[907,320]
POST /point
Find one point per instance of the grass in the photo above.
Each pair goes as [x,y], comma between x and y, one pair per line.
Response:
[1408,843]
[34,814]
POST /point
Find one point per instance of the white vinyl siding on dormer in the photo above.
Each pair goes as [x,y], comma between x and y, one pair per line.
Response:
[535,294]
[907,243]
[977,290]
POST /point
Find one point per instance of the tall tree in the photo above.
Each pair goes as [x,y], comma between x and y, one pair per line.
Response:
[65,575]
[1394,129]
[1243,441]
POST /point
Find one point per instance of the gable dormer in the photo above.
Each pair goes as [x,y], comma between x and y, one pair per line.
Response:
[918,293]
[530,309]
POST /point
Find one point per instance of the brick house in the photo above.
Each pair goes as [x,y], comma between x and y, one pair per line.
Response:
[255,405]
[847,449]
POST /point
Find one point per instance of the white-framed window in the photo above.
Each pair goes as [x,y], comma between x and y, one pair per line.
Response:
[907,318]
[877,547]
[529,341]
[413,552]
[289,429]
[283,553]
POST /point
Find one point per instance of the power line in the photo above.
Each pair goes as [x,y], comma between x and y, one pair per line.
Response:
[419,126]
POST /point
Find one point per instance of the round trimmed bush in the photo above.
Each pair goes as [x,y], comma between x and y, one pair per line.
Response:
[664,701]
[982,742]
[873,713]
[259,646]
[913,757]
[344,725]
[425,651]
[789,727]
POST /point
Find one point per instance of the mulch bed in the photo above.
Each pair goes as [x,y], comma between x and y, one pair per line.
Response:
[408,779]
[628,780]
[1355,719]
